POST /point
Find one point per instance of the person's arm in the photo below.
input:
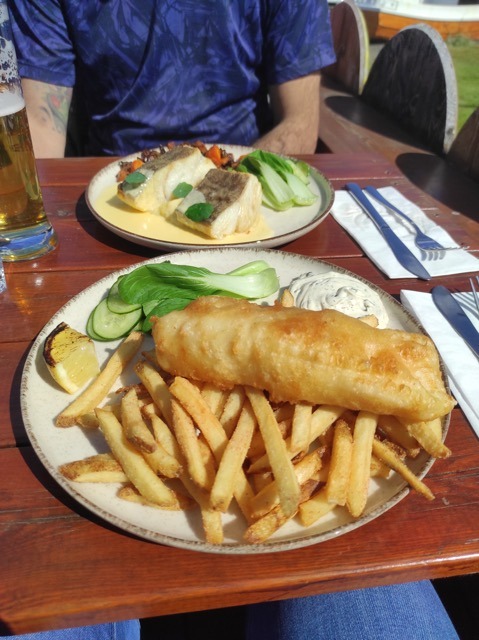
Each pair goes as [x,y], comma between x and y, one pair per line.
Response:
[48,106]
[295,106]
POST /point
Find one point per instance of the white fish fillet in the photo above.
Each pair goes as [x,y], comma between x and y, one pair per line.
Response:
[162,175]
[236,198]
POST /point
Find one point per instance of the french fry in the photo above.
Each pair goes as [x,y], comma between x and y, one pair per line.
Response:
[102,467]
[139,473]
[337,485]
[211,518]
[265,527]
[389,457]
[135,428]
[157,388]
[429,436]
[193,402]
[364,430]
[315,508]
[232,460]
[162,433]
[280,461]
[232,410]
[287,299]
[322,418]
[395,430]
[95,393]
[188,440]
[301,428]
[190,397]
[137,432]
[129,493]
[267,498]
[379,469]
[215,398]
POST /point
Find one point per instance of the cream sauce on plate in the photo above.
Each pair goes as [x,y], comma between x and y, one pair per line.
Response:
[158,227]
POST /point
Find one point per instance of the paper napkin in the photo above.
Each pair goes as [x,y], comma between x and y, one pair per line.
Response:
[462,366]
[351,217]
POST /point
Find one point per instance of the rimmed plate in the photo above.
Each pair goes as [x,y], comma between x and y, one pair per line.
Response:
[147,229]
[42,400]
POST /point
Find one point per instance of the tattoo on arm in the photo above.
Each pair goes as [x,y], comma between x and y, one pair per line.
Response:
[54,107]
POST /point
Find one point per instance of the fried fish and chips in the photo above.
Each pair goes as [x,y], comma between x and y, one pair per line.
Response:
[200,434]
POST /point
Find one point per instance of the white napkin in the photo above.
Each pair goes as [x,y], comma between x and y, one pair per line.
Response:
[462,366]
[351,217]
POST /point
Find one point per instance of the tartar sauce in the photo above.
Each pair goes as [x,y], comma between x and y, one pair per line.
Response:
[334,290]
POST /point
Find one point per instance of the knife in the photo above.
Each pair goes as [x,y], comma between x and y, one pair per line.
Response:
[457,318]
[403,255]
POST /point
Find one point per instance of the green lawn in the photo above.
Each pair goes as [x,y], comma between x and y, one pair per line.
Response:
[465,55]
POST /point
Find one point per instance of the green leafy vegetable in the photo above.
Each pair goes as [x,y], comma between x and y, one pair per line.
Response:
[161,288]
[134,179]
[199,211]
[182,190]
[284,181]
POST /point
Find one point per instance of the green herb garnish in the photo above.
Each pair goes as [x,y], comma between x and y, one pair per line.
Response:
[199,211]
[182,190]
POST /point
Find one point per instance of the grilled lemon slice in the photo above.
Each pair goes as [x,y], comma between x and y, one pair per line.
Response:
[70,357]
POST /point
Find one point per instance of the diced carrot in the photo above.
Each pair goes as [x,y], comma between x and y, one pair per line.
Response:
[214,154]
[136,164]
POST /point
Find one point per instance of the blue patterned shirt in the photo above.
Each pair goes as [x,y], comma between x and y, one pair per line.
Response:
[155,71]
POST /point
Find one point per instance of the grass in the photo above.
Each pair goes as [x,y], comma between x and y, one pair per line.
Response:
[465,56]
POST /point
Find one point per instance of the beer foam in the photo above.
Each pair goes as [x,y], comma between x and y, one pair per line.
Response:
[10,103]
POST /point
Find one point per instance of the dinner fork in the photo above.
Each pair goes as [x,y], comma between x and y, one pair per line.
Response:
[422,241]
[475,292]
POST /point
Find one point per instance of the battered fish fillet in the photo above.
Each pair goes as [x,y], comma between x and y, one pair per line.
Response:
[150,187]
[320,357]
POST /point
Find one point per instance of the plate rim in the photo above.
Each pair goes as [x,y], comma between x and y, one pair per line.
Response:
[166,245]
[124,526]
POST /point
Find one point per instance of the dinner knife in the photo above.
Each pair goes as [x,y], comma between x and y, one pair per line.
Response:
[403,255]
[456,316]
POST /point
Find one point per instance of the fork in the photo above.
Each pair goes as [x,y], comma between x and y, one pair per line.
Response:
[422,241]
[475,292]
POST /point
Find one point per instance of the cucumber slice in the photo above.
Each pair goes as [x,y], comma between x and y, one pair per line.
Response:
[110,326]
[89,329]
[115,302]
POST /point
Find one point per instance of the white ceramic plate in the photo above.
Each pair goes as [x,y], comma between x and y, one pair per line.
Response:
[42,400]
[154,231]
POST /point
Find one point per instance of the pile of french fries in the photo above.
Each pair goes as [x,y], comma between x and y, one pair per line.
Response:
[180,444]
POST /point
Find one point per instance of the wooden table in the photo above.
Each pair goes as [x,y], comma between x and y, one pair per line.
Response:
[62,566]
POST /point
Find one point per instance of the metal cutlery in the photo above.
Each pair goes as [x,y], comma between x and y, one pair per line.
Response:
[403,254]
[422,241]
[456,316]
[475,293]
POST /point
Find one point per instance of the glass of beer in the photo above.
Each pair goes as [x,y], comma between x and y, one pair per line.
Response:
[25,232]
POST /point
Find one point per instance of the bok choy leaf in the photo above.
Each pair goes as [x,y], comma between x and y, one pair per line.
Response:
[284,181]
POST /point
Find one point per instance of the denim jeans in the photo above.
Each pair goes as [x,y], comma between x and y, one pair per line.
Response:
[129,630]
[411,611]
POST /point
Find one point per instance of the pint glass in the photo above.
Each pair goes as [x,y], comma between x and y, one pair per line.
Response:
[25,232]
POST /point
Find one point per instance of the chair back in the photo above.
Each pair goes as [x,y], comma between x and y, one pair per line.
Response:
[464,151]
[351,45]
[414,81]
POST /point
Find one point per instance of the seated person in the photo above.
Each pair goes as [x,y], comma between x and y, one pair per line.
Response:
[232,72]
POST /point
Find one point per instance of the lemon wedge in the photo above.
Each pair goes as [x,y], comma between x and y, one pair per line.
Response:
[70,357]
